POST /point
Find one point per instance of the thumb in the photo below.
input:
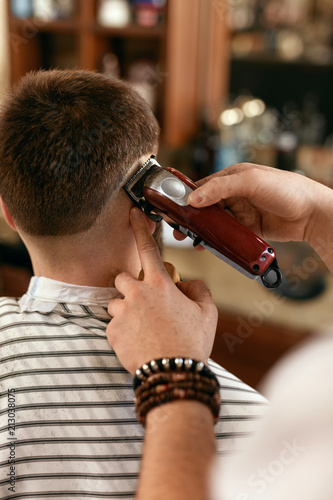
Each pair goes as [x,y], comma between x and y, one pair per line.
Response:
[209,193]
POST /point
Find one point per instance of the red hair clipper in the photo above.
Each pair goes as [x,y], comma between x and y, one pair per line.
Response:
[163,193]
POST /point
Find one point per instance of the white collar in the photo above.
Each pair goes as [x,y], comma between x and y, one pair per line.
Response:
[44,294]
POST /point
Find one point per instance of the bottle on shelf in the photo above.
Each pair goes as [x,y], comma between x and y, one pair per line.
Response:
[50,10]
[286,150]
[114,13]
[21,8]
[110,65]
[288,137]
[143,77]
[148,13]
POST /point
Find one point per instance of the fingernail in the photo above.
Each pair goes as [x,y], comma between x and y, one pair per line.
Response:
[135,213]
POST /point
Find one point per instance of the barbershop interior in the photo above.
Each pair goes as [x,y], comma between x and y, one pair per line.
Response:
[229,81]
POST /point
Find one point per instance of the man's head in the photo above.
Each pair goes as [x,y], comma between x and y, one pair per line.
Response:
[67,142]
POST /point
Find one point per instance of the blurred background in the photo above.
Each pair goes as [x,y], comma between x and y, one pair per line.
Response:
[229,81]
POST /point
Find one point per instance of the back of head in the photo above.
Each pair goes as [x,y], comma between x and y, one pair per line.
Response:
[67,141]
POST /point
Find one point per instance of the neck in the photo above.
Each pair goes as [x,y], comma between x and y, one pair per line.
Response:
[85,266]
[92,258]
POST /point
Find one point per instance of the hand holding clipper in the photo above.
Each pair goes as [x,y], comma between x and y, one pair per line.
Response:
[157,190]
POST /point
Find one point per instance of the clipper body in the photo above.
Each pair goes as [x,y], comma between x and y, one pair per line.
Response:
[157,190]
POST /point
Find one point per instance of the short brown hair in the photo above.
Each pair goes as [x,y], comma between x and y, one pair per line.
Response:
[67,140]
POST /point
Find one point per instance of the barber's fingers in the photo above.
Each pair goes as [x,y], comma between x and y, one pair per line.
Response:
[181,236]
[215,190]
[128,287]
[237,180]
[115,306]
[149,254]
[178,235]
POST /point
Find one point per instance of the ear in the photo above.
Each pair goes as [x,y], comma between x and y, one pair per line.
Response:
[7,215]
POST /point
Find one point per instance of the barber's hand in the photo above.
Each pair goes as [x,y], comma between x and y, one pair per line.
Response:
[157,318]
[274,204]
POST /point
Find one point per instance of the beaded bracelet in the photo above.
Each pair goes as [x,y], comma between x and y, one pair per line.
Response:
[165,380]
[210,400]
[172,380]
[171,364]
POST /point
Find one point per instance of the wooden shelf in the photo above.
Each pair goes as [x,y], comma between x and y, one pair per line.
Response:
[271,58]
[31,25]
[187,81]
[130,31]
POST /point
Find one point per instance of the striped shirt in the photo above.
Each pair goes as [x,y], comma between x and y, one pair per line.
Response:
[68,428]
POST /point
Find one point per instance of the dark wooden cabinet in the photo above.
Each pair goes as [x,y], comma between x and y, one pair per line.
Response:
[187,49]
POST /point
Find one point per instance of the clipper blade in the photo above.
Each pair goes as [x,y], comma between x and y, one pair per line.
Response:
[135,186]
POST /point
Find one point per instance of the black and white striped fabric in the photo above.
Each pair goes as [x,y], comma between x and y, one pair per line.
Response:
[67,423]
